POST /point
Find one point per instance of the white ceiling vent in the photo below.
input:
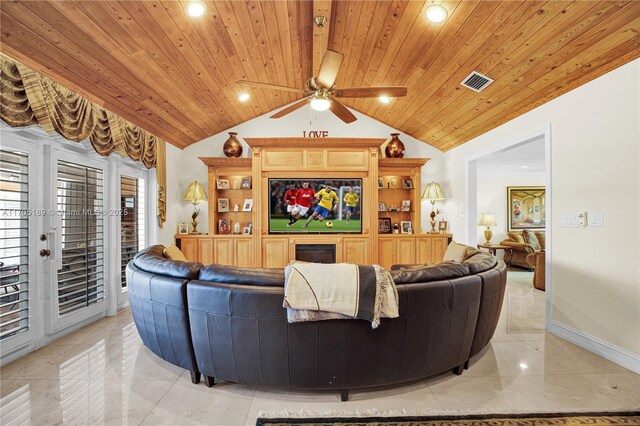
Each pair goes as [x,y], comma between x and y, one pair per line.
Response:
[476,81]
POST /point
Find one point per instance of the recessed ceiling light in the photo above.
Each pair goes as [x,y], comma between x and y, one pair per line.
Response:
[195,8]
[384,99]
[243,97]
[524,167]
[436,13]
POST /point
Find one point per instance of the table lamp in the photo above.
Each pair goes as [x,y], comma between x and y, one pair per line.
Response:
[433,193]
[488,220]
[195,194]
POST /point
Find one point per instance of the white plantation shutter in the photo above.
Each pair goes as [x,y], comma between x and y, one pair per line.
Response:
[14,242]
[80,206]
[132,228]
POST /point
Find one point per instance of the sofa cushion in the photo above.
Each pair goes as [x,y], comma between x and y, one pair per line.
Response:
[440,271]
[152,260]
[480,262]
[532,240]
[173,252]
[245,276]
[409,266]
[516,236]
[541,239]
[456,252]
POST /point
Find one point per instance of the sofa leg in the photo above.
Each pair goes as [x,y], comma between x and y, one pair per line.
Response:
[344,394]
[466,365]
[209,381]
[457,370]
[195,377]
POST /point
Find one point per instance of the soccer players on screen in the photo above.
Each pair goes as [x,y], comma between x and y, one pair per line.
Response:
[351,199]
[304,197]
[290,200]
[328,201]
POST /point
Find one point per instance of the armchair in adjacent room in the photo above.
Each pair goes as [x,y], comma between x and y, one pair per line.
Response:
[523,243]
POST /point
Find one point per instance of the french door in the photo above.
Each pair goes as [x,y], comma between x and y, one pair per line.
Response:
[77,239]
[17,252]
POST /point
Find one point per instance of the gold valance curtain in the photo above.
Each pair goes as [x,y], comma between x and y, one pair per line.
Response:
[28,98]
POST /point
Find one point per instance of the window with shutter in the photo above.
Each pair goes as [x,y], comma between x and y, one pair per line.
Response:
[132,228]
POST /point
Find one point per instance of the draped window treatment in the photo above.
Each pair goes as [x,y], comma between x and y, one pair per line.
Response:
[29,98]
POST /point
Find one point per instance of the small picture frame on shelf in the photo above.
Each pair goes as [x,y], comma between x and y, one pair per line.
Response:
[382,206]
[236,228]
[246,230]
[246,183]
[223,205]
[222,183]
[405,227]
[407,183]
[406,206]
[248,205]
[250,225]
[224,226]
[183,228]
[442,226]
[380,183]
[384,225]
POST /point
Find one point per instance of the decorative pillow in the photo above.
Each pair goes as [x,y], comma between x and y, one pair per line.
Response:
[541,239]
[437,272]
[456,252]
[532,240]
[516,236]
[172,252]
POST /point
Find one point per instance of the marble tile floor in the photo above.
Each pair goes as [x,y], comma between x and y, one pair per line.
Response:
[102,374]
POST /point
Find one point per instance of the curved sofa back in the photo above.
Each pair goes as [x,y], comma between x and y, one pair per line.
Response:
[241,334]
[159,305]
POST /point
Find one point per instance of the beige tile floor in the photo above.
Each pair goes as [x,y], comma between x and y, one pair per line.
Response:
[103,375]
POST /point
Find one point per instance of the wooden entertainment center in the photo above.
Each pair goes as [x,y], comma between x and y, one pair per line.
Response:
[384,180]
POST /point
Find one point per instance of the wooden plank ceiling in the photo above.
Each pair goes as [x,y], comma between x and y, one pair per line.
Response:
[175,76]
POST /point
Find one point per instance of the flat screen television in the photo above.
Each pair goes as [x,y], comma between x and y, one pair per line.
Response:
[305,206]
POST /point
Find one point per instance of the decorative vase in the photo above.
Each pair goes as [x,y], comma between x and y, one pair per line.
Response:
[232,147]
[395,147]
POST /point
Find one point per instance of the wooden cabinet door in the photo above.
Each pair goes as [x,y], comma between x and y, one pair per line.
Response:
[223,250]
[406,251]
[387,251]
[356,250]
[243,252]
[189,247]
[438,248]
[275,252]
[424,250]
[205,251]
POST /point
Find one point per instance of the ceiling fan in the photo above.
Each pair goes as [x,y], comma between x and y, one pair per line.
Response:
[321,93]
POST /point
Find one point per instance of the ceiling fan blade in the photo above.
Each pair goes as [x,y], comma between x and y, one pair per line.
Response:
[371,92]
[329,67]
[290,108]
[342,112]
[269,86]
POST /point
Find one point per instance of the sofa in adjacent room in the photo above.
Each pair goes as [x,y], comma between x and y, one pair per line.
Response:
[228,324]
[523,243]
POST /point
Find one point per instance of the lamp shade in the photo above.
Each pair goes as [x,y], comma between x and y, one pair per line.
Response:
[487,220]
[433,193]
[195,193]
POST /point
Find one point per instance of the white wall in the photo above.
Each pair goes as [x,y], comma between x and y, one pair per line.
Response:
[595,162]
[492,198]
[185,167]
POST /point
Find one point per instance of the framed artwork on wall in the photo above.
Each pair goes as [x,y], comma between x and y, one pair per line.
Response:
[526,207]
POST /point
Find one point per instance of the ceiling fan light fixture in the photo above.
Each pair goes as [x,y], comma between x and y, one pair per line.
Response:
[243,97]
[436,13]
[195,9]
[320,102]
[384,99]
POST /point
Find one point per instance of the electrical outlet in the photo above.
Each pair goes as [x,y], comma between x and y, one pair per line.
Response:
[582,219]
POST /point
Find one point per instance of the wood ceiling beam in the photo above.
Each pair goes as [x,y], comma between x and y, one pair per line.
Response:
[321,34]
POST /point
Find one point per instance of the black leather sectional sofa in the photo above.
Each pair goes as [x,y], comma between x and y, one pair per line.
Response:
[229,324]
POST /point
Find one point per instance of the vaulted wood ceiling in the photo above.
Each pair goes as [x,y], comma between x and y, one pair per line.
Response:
[175,76]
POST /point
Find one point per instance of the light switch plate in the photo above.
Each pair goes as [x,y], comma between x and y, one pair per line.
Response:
[596,219]
[568,221]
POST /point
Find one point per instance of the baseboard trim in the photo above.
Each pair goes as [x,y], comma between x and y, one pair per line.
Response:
[606,350]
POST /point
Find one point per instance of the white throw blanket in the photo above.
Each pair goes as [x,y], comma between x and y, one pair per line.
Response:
[318,291]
